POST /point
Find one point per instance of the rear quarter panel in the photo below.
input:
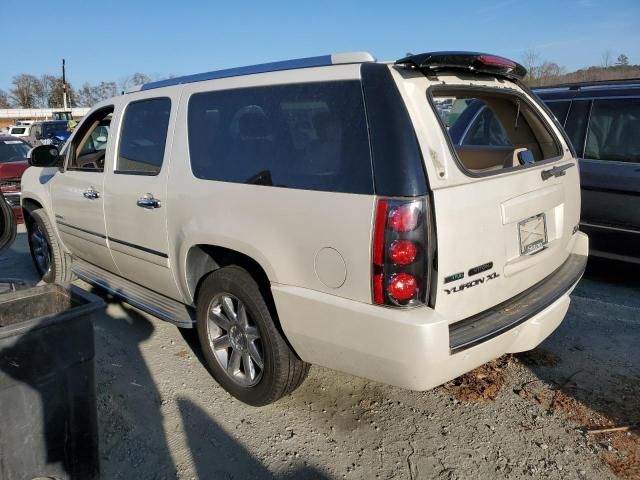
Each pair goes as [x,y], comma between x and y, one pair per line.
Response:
[283,229]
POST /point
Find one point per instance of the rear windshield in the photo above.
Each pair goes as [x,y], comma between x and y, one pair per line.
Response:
[491,131]
[17,131]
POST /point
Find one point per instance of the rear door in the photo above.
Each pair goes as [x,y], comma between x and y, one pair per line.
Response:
[136,192]
[501,226]
[610,174]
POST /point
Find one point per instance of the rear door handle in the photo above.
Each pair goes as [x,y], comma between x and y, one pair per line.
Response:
[148,201]
[91,193]
[555,171]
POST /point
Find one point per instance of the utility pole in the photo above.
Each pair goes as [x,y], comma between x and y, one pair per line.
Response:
[64,86]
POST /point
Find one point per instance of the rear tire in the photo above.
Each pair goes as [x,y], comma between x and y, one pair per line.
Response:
[53,264]
[251,360]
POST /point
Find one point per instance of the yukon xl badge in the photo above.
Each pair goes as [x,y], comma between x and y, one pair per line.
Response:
[472,283]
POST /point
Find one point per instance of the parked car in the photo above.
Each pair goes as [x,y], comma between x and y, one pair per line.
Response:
[602,120]
[13,163]
[19,130]
[49,132]
[317,211]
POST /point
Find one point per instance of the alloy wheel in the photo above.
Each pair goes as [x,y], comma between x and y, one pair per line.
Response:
[40,248]
[235,340]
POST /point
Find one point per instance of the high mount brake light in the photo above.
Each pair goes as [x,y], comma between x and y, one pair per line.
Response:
[400,275]
[496,61]
[470,61]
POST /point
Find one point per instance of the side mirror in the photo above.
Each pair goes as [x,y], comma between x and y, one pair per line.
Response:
[44,156]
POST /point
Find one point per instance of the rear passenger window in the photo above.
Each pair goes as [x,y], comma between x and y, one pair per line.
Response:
[560,110]
[309,136]
[143,137]
[614,128]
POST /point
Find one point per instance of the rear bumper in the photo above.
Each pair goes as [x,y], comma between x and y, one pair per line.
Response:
[501,318]
[418,348]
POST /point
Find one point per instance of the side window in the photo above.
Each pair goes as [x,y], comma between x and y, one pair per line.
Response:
[486,130]
[613,131]
[560,110]
[87,153]
[309,136]
[143,137]
[576,123]
[97,141]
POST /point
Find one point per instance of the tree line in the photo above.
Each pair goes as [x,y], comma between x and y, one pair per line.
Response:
[30,91]
[46,91]
[543,72]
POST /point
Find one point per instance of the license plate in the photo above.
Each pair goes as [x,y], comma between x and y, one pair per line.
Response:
[533,234]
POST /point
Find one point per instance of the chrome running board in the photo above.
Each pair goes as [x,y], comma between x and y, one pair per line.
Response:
[140,297]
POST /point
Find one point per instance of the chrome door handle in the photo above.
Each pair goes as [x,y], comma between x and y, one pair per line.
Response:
[148,201]
[91,193]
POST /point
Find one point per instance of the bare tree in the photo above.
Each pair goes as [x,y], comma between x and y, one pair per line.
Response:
[26,91]
[607,59]
[531,60]
[134,80]
[89,95]
[4,100]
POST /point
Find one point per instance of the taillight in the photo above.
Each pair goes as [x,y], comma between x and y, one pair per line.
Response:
[400,252]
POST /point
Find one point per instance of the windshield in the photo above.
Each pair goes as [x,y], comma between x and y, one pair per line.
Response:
[13,151]
[17,131]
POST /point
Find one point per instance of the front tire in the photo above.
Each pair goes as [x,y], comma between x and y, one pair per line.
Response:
[245,351]
[51,262]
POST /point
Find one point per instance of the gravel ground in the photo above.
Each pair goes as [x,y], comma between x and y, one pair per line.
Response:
[162,416]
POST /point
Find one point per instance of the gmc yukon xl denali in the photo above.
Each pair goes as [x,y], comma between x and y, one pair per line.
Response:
[317,211]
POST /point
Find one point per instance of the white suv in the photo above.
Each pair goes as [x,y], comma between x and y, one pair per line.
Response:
[317,211]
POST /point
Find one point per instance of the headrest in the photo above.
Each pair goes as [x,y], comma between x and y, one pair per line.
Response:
[254,125]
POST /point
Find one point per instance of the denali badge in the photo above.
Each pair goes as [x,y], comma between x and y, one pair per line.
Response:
[454,277]
[472,283]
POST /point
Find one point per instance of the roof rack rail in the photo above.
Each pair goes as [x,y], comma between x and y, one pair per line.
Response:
[626,82]
[320,61]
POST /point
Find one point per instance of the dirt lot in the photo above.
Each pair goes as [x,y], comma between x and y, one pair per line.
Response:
[163,417]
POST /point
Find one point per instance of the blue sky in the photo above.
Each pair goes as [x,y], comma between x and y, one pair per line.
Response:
[109,39]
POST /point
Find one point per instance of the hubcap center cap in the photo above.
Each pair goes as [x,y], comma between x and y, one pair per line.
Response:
[237,338]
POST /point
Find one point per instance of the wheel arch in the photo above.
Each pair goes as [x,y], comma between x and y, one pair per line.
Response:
[202,259]
[28,206]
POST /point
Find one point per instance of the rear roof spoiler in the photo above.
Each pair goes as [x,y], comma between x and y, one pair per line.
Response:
[467,61]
